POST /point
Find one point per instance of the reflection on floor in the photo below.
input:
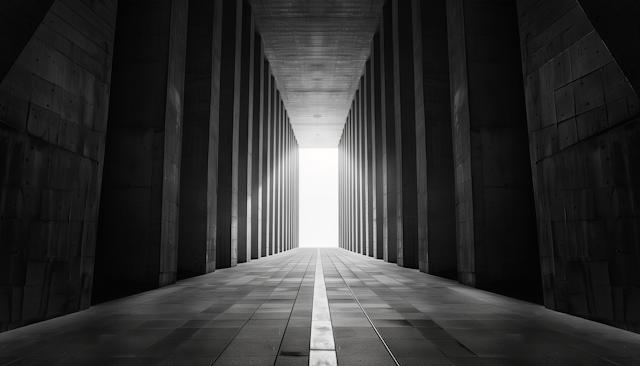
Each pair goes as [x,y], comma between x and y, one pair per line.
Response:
[259,313]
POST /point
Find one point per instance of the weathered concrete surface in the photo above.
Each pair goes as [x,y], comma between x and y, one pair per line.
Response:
[245,135]
[370,165]
[199,167]
[376,117]
[407,170]
[494,201]
[138,232]
[19,21]
[434,150]
[257,145]
[227,228]
[618,24]
[389,191]
[266,152]
[53,120]
[583,137]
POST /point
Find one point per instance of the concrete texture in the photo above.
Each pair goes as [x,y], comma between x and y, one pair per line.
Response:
[618,24]
[407,170]
[259,115]
[227,229]
[376,130]
[317,51]
[494,198]
[199,167]
[583,121]
[260,313]
[434,150]
[138,231]
[387,88]
[55,79]
[19,20]
[245,135]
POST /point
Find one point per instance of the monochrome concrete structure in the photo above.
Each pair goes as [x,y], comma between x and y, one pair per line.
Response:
[488,181]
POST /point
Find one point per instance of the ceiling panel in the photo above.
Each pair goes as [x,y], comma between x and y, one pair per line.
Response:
[317,51]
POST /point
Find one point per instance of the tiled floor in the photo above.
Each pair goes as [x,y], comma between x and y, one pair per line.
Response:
[260,313]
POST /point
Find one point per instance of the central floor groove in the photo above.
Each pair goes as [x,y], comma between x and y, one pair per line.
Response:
[322,346]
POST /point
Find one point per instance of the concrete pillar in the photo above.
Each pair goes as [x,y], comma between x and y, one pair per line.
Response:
[353,240]
[389,191]
[494,201]
[270,162]
[53,121]
[369,133]
[407,170]
[198,172]
[584,129]
[245,135]
[139,212]
[376,121]
[357,167]
[265,151]
[276,175]
[257,158]
[227,230]
[341,199]
[363,169]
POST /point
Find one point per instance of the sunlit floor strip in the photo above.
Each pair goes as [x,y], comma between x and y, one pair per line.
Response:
[322,346]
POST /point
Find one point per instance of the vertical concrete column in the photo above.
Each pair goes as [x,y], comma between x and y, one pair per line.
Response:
[227,230]
[364,168]
[245,137]
[265,150]
[376,120]
[354,181]
[290,188]
[407,171]
[271,162]
[279,143]
[273,210]
[434,149]
[350,187]
[285,186]
[358,176]
[139,212]
[389,192]
[341,216]
[369,132]
[199,167]
[494,200]
[257,156]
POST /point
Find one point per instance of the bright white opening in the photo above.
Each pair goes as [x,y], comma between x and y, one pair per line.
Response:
[318,197]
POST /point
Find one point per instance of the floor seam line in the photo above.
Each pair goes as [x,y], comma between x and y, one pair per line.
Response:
[367,316]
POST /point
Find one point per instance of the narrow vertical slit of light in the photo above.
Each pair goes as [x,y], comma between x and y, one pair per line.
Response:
[322,345]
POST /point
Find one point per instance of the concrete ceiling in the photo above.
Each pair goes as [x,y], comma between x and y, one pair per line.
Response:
[317,50]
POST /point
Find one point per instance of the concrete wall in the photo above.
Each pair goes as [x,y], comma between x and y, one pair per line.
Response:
[199,166]
[138,234]
[434,150]
[53,120]
[583,135]
[494,198]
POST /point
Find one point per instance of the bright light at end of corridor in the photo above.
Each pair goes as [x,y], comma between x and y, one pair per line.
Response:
[318,197]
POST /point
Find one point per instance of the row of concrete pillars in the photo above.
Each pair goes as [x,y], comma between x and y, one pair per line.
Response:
[451,164]
[428,191]
[201,160]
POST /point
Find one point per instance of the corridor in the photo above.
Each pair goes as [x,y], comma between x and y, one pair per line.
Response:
[260,313]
